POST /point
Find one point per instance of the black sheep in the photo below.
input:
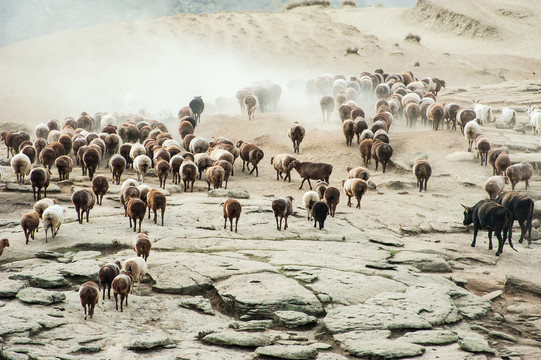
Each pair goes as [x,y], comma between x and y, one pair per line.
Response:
[319,213]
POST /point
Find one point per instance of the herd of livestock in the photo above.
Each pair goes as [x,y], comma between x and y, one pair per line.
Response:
[131,141]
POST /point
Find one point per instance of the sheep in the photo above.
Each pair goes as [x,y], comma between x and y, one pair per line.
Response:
[43,204]
[464,116]
[228,168]
[137,268]
[471,130]
[381,153]
[127,193]
[144,189]
[308,199]
[435,113]
[155,200]
[117,164]
[29,151]
[360,126]
[320,188]
[535,119]
[199,145]
[128,183]
[91,160]
[282,164]
[349,130]
[332,199]
[64,165]
[241,95]
[223,154]
[185,111]
[494,186]
[250,154]
[141,164]
[483,112]
[136,150]
[382,136]
[250,103]
[493,154]
[520,172]
[412,113]
[21,166]
[83,200]
[100,185]
[282,208]
[175,164]
[422,171]
[355,187]
[310,170]
[66,142]
[483,147]
[232,210]
[509,116]
[136,210]
[367,134]
[4,243]
[47,157]
[296,134]
[40,179]
[502,163]
[319,212]
[42,130]
[106,275]
[203,162]
[39,144]
[449,113]
[121,285]
[162,169]
[29,223]
[89,293]
[327,106]
[344,112]
[52,219]
[142,245]
[358,173]
[215,175]
[188,173]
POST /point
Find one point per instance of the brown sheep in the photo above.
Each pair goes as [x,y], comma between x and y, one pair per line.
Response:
[89,293]
[39,144]
[142,245]
[117,164]
[91,160]
[493,154]
[435,114]
[422,171]
[360,126]
[188,173]
[40,179]
[282,164]
[84,201]
[127,193]
[29,223]
[155,200]
[228,168]
[412,112]
[100,185]
[349,130]
[185,128]
[4,243]
[162,169]
[381,152]
[310,170]
[502,163]
[355,188]
[358,173]
[483,147]
[136,210]
[121,285]
[282,208]
[66,142]
[250,154]
[176,163]
[232,210]
[520,172]
[365,149]
[64,165]
[296,134]
[356,113]
[250,103]
[47,157]
[327,106]
[187,140]
[29,151]
[215,175]
[58,149]
[106,274]
[124,151]
[320,188]
[344,111]
[43,204]
[332,199]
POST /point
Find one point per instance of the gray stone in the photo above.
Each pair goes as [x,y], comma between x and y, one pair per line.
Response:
[460,156]
[330,356]
[244,339]
[150,340]
[503,336]
[218,193]
[49,255]
[492,295]
[10,288]
[381,266]
[472,306]
[83,270]
[52,188]
[475,343]
[294,319]
[86,349]
[374,344]
[11,325]
[252,325]
[238,194]
[288,351]
[12,355]
[388,242]
[40,296]
[422,261]
[536,223]
[431,337]
[45,278]
[321,346]
[260,295]
[198,303]
[458,280]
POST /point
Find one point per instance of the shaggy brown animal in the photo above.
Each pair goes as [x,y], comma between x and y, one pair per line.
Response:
[89,293]
[40,179]
[106,274]
[4,243]
[142,245]
[121,285]
[422,171]
[250,154]
[136,210]
[155,200]
[84,201]
[232,209]
[29,223]
[282,208]
[332,199]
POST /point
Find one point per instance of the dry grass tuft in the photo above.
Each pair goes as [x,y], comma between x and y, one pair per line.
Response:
[349,3]
[295,4]
[413,37]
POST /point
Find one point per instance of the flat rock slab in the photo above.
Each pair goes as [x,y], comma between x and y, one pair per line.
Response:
[12,325]
[244,339]
[235,194]
[252,325]
[10,288]
[431,337]
[83,270]
[422,261]
[294,352]
[260,295]
[475,343]
[472,306]
[45,278]
[150,340]
[513,282]
[40,296]
[388,242]
[460,156]
[294,319]
[375,344]
[198,303]
[52,188]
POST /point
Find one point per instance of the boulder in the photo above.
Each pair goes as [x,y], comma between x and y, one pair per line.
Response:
[10,288]
[430,337]
[294,319]
[150,340]
[39,296]
[295,352]
[198,303]
[244,339]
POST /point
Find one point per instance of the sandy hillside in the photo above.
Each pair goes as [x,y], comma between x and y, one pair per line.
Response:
[407,245]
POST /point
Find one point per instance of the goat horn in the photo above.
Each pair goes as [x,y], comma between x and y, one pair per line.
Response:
[464,206]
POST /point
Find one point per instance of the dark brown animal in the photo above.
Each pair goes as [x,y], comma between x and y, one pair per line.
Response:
[232,210]
[155,200]
[106,274]
[89,293]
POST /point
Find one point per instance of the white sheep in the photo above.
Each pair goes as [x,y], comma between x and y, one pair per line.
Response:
[471,130]
[141,164]
[483,113]
[52,218]
[43,204]
[494,186]
[108,120]
[137,268]
[199,145]
[136,150]
[21,166]
[42,131]
[535,119]
[509,116]
[310,198]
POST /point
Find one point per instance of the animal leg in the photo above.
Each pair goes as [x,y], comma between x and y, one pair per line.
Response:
[490,239]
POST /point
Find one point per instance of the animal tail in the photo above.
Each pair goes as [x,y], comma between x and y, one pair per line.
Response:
[529,226]
[508,221]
